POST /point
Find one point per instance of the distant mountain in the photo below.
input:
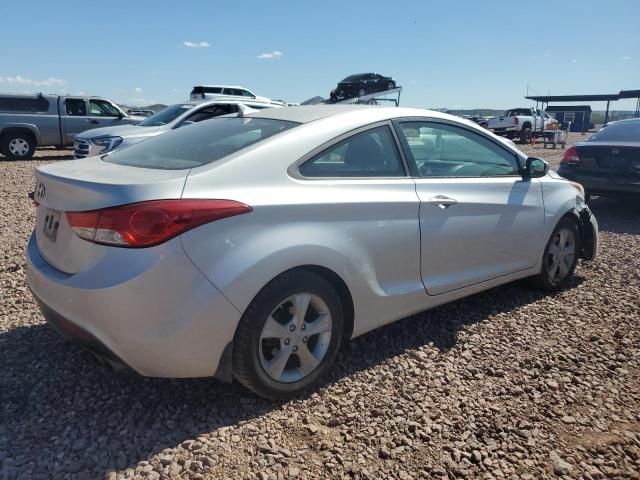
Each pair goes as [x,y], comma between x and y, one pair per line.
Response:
[313,101]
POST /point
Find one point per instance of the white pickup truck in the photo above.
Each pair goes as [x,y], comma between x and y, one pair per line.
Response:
[521,123]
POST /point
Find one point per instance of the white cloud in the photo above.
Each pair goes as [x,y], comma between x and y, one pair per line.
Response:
[626,58]
[276,54]
[573,60]
[189,44]
[138,90]
[19,80]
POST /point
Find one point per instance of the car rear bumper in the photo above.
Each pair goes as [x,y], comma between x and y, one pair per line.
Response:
[608,185]
[157,315]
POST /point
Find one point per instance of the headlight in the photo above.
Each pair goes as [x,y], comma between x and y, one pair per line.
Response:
[108,143]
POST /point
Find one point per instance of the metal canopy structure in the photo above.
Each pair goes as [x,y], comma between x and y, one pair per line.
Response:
[590,98]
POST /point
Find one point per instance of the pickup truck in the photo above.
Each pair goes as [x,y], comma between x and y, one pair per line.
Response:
[521,123]
[30,121]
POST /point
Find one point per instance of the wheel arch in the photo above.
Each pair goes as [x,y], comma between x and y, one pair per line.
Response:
[30,130]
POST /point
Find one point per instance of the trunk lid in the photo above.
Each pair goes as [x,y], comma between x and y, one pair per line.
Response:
[90,184]
[621,158]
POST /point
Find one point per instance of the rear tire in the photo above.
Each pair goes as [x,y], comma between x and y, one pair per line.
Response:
[525,135]
[362,92]
[18,145]
[558,264]
[276,353]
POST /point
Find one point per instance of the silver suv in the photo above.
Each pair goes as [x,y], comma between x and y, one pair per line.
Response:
[103,140]
[30,121]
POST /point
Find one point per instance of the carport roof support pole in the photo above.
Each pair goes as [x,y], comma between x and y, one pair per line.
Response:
[606,115]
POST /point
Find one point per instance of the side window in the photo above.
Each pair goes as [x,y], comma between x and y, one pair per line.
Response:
[247,94]
[372,153]
[101,108]
[76,107]
[210,112]
[441,150]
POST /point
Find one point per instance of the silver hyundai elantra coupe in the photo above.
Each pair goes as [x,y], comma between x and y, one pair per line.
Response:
[251,247]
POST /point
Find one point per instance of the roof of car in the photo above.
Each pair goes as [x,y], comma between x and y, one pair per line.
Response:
[221,86]
[310,113]
[213,101]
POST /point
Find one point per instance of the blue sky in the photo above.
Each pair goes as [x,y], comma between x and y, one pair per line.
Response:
[454,53]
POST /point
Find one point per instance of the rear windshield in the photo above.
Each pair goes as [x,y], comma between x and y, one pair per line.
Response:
[24,104]
[198,144]
[166,115]
[618,132]
[354,78]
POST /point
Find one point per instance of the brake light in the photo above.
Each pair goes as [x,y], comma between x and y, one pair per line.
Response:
[516,120]
[150,223]
[571,157]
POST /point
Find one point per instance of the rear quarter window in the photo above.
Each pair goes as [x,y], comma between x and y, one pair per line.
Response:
[199,144]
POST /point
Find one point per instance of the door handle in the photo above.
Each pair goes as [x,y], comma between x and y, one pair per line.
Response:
[442,201]
[95,122]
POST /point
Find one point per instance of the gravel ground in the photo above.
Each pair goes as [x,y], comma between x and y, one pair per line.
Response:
[510,383]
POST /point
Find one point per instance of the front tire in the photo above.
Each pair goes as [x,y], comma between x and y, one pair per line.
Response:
[560,257]
[18,146]
[362,92]
[391,85]
[289,335]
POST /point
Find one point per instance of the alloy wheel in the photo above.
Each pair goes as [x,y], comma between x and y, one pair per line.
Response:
[561,254]
[295,338]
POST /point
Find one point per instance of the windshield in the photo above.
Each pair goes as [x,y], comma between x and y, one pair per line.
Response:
[166,115]
[200,144]
[618,132]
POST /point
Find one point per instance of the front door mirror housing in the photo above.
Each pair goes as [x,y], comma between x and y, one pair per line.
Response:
[535,168]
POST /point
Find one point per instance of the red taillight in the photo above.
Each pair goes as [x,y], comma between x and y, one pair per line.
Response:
[516,121]
[149,223]
[571,156]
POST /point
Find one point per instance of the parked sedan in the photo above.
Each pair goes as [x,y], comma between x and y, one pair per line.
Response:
[252,246]
[362,84]
[608,162]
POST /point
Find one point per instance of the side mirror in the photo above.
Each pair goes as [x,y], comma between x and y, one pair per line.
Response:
[535,168]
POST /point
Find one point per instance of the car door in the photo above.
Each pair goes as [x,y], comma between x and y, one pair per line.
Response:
[103,113]
[479,219]
[73,118]
[360,187]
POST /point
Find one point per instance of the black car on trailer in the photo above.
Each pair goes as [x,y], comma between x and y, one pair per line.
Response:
[362,84]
